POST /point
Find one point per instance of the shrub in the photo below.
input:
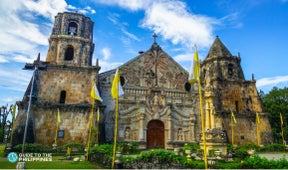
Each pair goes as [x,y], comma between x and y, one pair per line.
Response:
[33,147]
[75,146]
[102,154]
[257,162]
[274,147]
[194,147]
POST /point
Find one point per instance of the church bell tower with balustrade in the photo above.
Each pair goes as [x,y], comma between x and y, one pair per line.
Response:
[71,40]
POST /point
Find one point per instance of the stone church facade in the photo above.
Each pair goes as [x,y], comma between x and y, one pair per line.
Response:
[156,110]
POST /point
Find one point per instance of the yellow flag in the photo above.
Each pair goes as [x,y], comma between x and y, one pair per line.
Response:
[116,89]
[95,93]
[233,117]
[257,118]
[281,119]
[58,117]
[13,111]
[194,71]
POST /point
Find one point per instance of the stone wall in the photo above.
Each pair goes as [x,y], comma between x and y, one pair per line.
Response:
[77,82]
[74,123]
[245,128]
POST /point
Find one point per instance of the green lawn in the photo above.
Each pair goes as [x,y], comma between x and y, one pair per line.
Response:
[51,165]
[55,164]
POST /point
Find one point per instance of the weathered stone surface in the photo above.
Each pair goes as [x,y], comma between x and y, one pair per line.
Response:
[155,110]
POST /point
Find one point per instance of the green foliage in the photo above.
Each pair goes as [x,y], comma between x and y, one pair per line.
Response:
[75,146]
[159,155]
[274,147]
[33,147]
[1,134]
[128,148]
[164,157]
[276,102]
[240,152]
[102,154]
[257,162]
[105,149]
[228,165]
[2,149]
[194,147]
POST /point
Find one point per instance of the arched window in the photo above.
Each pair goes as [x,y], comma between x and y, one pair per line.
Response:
[69,53]
[72,28]
[230,69]
[62,97]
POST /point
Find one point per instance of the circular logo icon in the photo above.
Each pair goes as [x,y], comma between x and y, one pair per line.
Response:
[12,157]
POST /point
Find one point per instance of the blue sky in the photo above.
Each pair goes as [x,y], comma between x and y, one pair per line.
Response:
[122,28]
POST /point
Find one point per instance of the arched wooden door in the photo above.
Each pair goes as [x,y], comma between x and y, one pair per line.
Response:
[155,134]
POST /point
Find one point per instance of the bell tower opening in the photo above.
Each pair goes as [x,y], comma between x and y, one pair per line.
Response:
[69,53]
[72,28]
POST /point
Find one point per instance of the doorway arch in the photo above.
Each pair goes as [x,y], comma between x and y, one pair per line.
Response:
[155,134]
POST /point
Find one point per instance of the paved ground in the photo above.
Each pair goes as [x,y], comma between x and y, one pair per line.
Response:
[274,155]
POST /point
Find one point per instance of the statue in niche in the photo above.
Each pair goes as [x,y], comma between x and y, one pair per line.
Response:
[156,102]
[180,134]
[127,133]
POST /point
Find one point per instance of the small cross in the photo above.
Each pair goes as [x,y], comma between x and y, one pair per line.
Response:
[154,36]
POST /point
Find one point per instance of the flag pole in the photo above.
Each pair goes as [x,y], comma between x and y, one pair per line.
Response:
[90,130]
[115,131]
[257,129]
[13,119]
[232,130]
[282,132]
[202,123]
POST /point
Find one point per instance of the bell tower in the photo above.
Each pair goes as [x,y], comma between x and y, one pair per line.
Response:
[71,40]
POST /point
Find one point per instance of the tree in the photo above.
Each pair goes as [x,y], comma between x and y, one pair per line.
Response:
[4,112]
[276,102]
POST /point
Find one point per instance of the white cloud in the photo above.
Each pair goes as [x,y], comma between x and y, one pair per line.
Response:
[16,80]
[106,53]
[172,20]
[272,81]
[3,59]
[231,20]
[183,57]
[23,59]
[115,19]
[107,65]
[133,5]
[48,9]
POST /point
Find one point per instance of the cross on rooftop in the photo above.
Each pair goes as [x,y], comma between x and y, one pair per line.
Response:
[154,36]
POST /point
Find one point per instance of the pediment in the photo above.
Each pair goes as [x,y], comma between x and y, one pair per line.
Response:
[154,68]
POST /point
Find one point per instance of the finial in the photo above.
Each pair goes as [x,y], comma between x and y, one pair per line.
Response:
[97,62]
[155,36]
[38,58]
[253,79]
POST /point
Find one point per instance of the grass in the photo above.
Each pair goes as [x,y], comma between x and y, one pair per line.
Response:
[4,164]
[56,163]
[2,148]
